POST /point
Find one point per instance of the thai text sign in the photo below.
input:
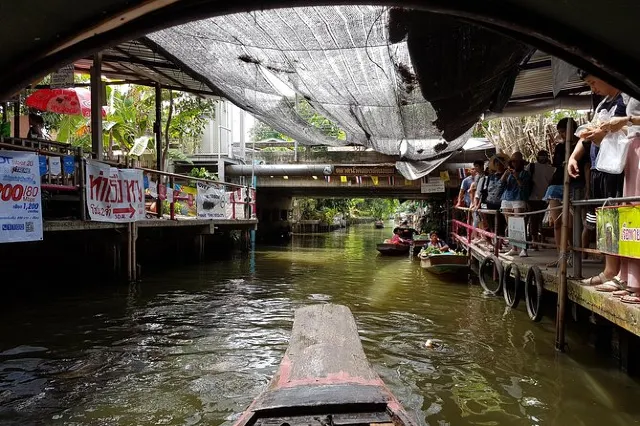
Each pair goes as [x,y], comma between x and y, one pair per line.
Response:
[211,201]
[434,185]
[20,199]
[114,195]
[618,230]
[363,170]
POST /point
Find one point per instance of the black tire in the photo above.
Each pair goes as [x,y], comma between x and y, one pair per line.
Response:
[491,261]
[533,289]
[511,293]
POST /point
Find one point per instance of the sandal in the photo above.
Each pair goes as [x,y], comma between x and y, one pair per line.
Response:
[598,279]
[632,299]
[613,285]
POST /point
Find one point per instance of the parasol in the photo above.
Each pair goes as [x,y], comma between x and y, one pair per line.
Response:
[73,101]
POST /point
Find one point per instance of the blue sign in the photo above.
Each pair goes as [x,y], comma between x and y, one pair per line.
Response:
[68,164]
[43,164]
[145,181]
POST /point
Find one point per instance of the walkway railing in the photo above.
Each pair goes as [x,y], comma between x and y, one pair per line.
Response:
[70,177]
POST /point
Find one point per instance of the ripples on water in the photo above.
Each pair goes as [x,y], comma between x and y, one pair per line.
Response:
[194,346]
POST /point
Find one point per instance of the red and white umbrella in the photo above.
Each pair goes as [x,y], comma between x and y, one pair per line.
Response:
[74,101]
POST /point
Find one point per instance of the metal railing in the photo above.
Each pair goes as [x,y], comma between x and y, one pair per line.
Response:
[74,183]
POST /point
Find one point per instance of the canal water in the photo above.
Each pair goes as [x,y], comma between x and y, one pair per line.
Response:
[194,345]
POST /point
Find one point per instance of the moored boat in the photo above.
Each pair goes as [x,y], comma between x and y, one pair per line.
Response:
[325,378]
[387,249]
[445,264]
[419,245]
[378,224]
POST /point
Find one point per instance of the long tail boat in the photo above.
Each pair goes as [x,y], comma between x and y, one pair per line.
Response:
[445,264]
[393,249]
[325,378]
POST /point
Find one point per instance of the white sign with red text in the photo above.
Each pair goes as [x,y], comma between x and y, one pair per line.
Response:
[114,195]
[20,199]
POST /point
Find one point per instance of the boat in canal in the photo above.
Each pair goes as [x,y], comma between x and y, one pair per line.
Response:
[445,263]
[388,249]
[378,224]
[325,378]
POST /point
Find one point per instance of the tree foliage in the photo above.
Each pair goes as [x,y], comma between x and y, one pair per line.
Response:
[326,209]
[307,112]
[131,114]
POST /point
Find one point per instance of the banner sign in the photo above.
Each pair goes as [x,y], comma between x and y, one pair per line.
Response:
[210,201]
[20,198]
[432,186]
[361,170]
[517,231]
[114,195]
[618,231]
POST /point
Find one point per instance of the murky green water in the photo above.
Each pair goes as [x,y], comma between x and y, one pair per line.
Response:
[194,346]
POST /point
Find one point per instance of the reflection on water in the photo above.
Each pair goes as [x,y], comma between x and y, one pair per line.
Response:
[195,345]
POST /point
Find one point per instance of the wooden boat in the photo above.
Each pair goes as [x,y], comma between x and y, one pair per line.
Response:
[393,249]
[418,245]
[445,264]
[325,378]
[378,224]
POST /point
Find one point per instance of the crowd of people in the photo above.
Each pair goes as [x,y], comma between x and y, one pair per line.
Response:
[512,185]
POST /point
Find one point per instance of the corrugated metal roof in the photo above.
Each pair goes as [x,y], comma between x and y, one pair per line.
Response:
[142,60]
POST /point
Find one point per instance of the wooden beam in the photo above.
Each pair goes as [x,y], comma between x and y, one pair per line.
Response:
[96,107]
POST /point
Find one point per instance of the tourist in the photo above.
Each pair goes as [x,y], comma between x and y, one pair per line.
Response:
[463,196]
[629,275]
[541,173]
[517,186]
[602,184]
[489,193]
[577,184]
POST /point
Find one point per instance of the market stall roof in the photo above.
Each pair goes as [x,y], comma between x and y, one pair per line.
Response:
[142,60]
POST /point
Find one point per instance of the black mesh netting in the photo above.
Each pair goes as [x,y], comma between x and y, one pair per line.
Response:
[339,60]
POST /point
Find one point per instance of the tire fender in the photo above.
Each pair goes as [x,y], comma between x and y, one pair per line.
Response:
[499,268]
[533,290]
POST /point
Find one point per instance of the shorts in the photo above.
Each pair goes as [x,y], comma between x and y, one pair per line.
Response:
[517,204]
[603,185]
[555,192]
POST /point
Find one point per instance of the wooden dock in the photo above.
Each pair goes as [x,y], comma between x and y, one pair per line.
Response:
[624,315]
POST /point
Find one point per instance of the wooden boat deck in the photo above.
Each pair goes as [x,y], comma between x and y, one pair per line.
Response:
[325,374]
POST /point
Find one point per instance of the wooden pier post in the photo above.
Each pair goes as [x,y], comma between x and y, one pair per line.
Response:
[132,258]
[564,237]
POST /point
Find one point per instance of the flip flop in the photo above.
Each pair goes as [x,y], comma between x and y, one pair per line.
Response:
[614,284]
[632,299]
[598,279]
[622,293]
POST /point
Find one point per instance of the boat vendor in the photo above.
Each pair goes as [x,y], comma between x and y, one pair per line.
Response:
[396,238]
[435,242]
[405,231]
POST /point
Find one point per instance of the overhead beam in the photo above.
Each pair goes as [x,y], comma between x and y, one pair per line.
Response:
[127,57]
[151,67]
